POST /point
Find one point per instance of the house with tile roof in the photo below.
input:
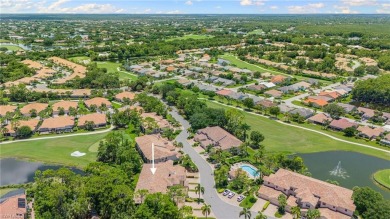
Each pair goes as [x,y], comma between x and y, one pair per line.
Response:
[14,207]
[308,193]
[11,128]
[305,113]
[98,102]
[57,125]
[370,133]
[366,113]
[347,107]
[385,140]
[163,148]
[315,102]
[217,137]
[65,105]
[333,95]
[341,124]
[38,107]
[4,109]
[150,118]
[274,93]
[125,95]
[99,120]
[277,79]
[320,118]
[166,176]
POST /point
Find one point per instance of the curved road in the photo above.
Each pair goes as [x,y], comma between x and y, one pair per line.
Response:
[60,136]
[220,208]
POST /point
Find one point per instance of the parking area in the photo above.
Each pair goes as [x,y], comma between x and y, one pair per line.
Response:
[271,209]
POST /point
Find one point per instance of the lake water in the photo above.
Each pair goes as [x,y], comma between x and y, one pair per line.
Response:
[14,171]
[348,168]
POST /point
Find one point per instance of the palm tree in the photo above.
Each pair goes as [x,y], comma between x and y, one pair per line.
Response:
[245,127]
[206,209]
[282,203]
[258,155]
[246,212]
[296,212]
[199,190]
[260,215]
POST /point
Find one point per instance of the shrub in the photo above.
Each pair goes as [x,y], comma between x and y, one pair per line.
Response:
[252,199]
[220,190]
[266,205]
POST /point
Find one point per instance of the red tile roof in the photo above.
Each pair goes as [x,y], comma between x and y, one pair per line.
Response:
[10,208]
[96,118]
[224,92]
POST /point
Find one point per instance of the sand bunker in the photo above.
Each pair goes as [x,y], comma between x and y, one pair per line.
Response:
[77,154]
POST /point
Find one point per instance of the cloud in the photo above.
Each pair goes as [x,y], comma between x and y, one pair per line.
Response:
[303,9]
[90,8]
[17,6]
[359,2]
[251,2]
[188,3]
[274,7]
[218,7]
[384,10]
[344,10]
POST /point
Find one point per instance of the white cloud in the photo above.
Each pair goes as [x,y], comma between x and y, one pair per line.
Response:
[188,3]
[17,6]
[91,8]
[251,2]
[148,10]
[359,2]
[274,7]
[344,10]
[218,7]
[303,9]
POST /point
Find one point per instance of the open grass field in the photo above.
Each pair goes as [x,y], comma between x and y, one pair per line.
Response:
[383,178]
[283,138]
[12,48]
[190,36]
[79,59]
[256,32]
[113,67]
[55,151]
[4,41]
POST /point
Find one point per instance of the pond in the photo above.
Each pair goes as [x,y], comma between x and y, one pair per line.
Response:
[348,168]
[14,171]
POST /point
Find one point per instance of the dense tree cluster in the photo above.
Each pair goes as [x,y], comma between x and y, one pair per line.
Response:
[370,204]
[373,90]
[12,69]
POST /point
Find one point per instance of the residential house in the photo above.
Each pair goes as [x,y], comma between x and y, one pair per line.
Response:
[385,140]
[307,193]
[98,102]
[4,109]
[278,79]
[258,87]
[125,95]
[163,148]
[154,122]
[99,120]
[319,103]
[11,127]
[347,107]
[81,93]
[333,95]
[370,133]
[238,95]
[320,118]
[341,124]
[14,207]
[366,113]
[166,176]
[346,88]
[65,105]
[274,93]
[223,81]
[284,108]
[217,137]
[224,92]
[268,84]
[265,104]
[300,86]
[38,107]
[305,113]
[57,125]
[327,99]
[312,81]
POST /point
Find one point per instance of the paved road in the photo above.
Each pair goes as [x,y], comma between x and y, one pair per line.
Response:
[60,136]
[221,209]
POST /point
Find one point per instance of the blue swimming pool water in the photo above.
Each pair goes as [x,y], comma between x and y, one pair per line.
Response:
[249,170]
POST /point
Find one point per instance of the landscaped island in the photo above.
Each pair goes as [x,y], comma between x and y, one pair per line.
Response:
[382,177]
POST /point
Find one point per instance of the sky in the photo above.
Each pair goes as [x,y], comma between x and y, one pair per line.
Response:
[197,6]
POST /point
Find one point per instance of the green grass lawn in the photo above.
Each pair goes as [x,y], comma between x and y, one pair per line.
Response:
[4,41]
[56,151]
[246,203]
[113,67]
[12,48]
[257,32]
[190,36]
[383,177]
[79,59]
[287,139]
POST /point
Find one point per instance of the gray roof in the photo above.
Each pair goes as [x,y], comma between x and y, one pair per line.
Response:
[347,107]
[306,113]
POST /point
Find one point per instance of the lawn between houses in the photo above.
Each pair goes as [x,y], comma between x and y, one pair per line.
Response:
[287,139]
[54,151]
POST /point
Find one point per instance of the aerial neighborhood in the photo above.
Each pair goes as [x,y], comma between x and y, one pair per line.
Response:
[186,116]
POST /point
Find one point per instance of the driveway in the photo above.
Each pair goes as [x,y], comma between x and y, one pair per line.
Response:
[221,209]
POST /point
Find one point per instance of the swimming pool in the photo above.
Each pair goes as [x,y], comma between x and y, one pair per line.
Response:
[250,170]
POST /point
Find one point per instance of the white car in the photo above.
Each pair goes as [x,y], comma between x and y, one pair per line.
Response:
[231,194]
[240,198]
[226,192]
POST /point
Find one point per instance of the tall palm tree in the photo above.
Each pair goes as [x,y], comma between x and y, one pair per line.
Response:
[260,215]
[199,190]
[246,212]
[296,212]
[206,209]
[245,127]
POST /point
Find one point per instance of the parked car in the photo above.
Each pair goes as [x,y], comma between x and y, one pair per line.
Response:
[231,194]
[240,198]
[226,192]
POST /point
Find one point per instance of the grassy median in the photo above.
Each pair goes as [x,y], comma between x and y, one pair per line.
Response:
[382,177]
